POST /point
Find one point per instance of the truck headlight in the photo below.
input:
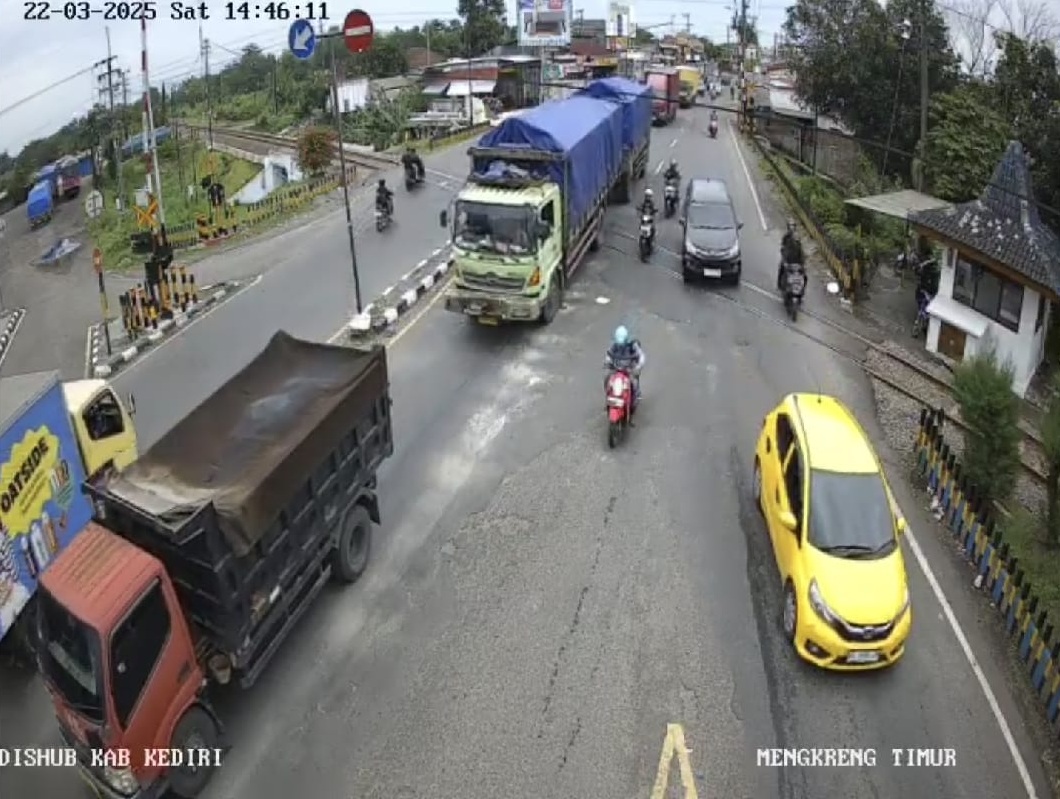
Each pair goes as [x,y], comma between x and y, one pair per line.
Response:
[121,780]
[820,607]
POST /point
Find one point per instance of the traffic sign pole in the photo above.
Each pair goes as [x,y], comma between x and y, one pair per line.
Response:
[97,264]
[345,179]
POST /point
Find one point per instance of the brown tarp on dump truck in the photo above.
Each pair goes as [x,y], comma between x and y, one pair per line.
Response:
[258,438]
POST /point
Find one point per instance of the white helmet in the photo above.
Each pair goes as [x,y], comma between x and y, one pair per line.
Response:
[649,193]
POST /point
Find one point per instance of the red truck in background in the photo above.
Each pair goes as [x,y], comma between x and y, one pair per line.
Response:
[69,177]
[666,88]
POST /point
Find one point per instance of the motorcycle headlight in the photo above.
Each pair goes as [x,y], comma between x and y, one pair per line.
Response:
[820,607]
[121,780]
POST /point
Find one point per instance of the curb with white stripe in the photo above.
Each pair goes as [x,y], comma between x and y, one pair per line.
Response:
[382,314]
[8,327]
[103,365]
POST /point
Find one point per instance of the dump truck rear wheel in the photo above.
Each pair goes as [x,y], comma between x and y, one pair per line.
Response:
[195,731]
[350,558]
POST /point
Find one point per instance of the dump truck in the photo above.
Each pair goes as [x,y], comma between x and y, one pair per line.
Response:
[53,436]
[532,207]
[204,555]
[635,100]
[690,84]
[40,205]
[666,90]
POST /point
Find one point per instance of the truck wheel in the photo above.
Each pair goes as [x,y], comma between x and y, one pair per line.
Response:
[552,302]
[350,558]
[196,730]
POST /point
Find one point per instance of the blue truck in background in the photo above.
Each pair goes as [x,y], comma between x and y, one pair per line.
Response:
[40,205]
[50,174]
[42,506]
[534,201]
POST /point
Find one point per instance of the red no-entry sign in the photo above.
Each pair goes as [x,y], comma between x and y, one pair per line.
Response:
[358,31]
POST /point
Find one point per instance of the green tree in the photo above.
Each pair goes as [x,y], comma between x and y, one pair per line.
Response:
[484,26]
[966,137]
[983,388]
[316,149]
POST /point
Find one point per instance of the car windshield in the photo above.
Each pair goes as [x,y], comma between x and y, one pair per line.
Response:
[501,229]
[711,216]
[70,657]
[850,515]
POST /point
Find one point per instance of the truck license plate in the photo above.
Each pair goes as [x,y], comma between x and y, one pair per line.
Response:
[711,273]
[863,657]
[488,320]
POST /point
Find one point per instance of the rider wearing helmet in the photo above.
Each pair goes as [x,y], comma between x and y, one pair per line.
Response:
[672,174]
[648,205]
[411,160]
[384,197]
[626,352]
[790,253]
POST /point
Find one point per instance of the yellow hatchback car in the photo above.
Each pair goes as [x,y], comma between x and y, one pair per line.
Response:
[834,528]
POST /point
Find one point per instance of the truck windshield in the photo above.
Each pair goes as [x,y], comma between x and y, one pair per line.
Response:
[501,229]
[70,657]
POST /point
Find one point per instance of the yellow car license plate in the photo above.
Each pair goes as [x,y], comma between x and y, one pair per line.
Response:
[488,320]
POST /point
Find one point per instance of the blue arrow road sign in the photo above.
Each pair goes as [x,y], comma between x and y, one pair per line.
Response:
[301,39]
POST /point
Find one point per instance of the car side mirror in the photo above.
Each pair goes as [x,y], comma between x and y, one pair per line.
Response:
[443,219]
[900,524]
[739,225]
[787,518]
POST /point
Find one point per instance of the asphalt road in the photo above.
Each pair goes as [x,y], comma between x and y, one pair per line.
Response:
[539,608]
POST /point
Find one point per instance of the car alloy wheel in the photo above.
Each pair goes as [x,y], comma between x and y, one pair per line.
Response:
[791,612]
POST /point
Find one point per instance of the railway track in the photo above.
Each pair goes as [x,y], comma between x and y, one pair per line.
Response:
[271,141]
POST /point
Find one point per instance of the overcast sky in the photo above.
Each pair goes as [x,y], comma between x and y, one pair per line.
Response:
[36,54]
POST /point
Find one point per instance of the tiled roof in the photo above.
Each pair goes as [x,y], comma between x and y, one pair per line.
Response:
[1003,223]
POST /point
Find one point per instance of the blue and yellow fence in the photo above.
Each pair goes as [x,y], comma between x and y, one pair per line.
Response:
[970,520]
[147,304]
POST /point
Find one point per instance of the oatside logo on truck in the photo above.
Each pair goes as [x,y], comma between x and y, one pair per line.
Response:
[25,479]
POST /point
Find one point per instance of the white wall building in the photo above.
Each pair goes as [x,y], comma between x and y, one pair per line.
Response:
[1000,273]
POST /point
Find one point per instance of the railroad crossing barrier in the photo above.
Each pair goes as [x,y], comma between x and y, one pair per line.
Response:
[972,522]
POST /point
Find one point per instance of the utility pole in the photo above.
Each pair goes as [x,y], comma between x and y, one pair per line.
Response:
[923,96]
[688,22]
[345,177]
[110,89]
[149,139]
[124,105]
[204,50]
[741,32]
[275,99]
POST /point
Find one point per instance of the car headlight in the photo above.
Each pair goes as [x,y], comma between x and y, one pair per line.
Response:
[820,607]
[733,251]
[904,608]
[121,780]
[692,248]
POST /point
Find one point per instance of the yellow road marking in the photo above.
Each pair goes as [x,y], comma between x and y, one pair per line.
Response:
[674,746]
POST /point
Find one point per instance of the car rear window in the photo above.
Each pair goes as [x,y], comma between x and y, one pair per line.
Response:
[850,510]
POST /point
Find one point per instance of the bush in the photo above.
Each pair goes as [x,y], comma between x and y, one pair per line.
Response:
[983,388]
[316,149]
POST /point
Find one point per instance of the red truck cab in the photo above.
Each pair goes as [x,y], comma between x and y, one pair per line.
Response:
[114,645]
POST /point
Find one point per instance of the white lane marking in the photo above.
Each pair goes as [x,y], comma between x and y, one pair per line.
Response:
[658,169]
[984,685]
[673,143]
[747,174]
[138,362]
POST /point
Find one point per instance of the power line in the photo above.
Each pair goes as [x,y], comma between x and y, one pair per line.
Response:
[50,86]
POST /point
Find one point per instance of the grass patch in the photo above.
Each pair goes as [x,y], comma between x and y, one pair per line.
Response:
[111,231]
[1040,562]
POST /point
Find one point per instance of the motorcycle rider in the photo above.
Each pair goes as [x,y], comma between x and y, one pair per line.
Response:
[647,206]
[790,254]
[672,173]
[411,160]
[627,353]
[384,197]
[714,119]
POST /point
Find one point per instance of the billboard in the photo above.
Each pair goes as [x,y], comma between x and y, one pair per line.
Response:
[545,23]
[620,24]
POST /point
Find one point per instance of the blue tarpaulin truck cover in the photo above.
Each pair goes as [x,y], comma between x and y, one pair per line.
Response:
[635,99]
[39,203]
[586,131]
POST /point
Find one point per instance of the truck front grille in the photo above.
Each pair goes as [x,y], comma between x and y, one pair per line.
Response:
[491,281]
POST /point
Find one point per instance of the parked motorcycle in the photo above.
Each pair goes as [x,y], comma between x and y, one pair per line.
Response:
[383,216]
[620,404]
[670,198]
[713,128]
[647,236]
[794,286]
[923,299]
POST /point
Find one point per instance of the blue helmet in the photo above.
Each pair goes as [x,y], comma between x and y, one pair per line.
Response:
[621,335]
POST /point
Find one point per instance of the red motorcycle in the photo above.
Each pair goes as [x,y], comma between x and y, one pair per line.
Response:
[620,401]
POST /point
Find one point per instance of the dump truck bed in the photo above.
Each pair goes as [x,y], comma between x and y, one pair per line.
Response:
[245,486]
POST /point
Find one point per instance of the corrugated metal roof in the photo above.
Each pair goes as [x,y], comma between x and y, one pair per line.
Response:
[459,88]
[899,204]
